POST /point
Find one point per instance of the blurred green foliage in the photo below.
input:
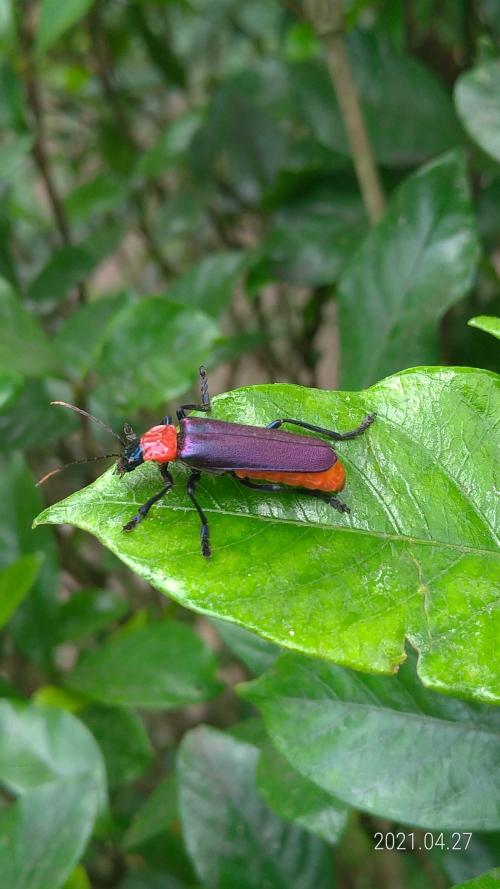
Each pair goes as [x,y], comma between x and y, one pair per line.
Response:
[176,187]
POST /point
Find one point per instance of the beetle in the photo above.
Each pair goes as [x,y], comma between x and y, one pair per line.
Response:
[262,458]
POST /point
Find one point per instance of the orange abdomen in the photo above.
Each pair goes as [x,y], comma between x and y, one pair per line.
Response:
[332,479]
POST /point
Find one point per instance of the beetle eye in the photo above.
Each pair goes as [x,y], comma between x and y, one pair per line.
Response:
[129,433]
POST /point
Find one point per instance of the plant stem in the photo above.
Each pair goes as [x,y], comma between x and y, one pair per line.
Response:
[327,18]
[39,150]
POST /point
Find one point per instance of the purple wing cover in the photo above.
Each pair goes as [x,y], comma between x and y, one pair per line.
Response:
[214,445]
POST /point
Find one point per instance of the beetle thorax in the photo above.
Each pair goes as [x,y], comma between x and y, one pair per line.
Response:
[159,444]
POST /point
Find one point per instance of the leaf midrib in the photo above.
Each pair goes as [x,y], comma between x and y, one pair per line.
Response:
[379,535]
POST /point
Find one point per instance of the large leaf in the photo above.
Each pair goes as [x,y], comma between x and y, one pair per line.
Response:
[402,131]
[162,665]
[476,98]
[233,838]
[417,557]
[408,271]
[381,744]
[491,880]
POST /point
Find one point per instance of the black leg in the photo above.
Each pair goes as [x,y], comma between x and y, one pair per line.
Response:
[204,532]
[144,509]
[320,495]
[205,397]
[337,436]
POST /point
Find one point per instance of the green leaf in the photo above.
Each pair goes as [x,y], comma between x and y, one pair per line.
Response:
[44,833]
[123,741]
[51,761]
[295,798]
[209,285]
[257,654]
[87,612]
[65,269]
[313,236]
[103,194]
[491,880]
[380,743]
[23,346]
[155,815]
[55,18]
[409,270]
[163,343]
[10,384]
[160,666]
[488,323]
[43,745]
[476,100]
[403,132]
[81,338]
[30,420]
[32,626]
[171,145]
[12,155]
[242,137]
[417,557]
[78,879]
[15,583]
[232,837]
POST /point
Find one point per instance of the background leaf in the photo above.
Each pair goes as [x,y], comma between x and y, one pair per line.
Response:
[56,18]
[417,557]
[15,583]
[160,666]
[486,323]
[33,625]
[380,744]
[409,270]
[123,741]
[44,833]
[218,802]
[387,81]
[162,343]
[476,99]
[295,798]
[23,346]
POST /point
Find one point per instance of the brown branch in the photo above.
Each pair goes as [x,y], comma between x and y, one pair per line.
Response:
[104,71]
[327,18]
[39,149]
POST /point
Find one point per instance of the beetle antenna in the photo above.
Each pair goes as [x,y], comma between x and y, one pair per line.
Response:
[46,477]
[100,423]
